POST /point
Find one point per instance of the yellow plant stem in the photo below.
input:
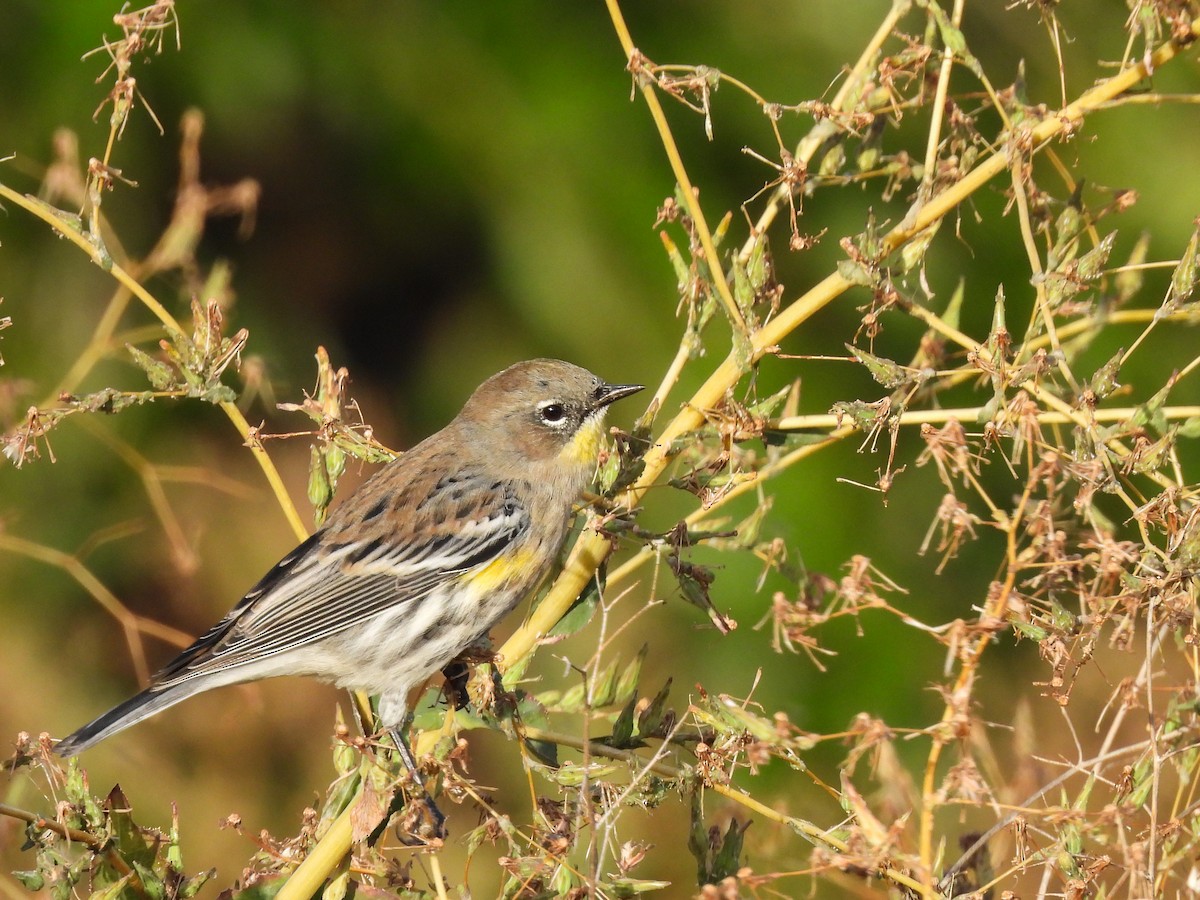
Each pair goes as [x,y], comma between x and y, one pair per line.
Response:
[132,624]
[971,414]
[435,870]
[753,481]
[98,345]
[799,826]
[826,128]
[325,856]
[591,549]
[691,198]
[938,108]
[46,214]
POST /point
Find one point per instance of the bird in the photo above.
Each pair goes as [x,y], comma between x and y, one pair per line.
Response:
[418,564]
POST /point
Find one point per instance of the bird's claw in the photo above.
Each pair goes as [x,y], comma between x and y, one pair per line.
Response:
[423,823]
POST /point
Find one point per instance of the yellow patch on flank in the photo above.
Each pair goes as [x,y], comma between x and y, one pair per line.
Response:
[584,447]
[500,571]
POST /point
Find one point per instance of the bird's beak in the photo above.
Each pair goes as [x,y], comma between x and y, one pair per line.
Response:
[610,393]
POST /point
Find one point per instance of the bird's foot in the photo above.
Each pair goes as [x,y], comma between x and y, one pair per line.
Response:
[421,823]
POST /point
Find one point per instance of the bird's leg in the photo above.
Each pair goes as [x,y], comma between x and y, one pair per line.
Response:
[436,820]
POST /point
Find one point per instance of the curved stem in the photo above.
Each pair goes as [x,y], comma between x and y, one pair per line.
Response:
[691,196]
[62,227]
[89,840]
[591,549]
[325,856]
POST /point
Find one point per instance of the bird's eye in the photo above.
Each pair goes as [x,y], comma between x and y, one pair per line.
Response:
[553,413]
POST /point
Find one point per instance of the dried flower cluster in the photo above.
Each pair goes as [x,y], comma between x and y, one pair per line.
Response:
[1073,490]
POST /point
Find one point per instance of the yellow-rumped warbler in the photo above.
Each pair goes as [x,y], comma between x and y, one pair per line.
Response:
[418,564]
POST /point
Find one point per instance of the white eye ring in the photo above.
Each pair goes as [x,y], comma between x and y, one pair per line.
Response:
[553,413]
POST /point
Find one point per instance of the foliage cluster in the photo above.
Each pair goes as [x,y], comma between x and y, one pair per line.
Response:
[1068,485]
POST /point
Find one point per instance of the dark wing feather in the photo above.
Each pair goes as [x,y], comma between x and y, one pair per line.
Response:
[213,637]
[322,588]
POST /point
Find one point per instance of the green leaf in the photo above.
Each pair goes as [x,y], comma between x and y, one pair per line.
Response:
[320,489]
[217,394]
[759,267]
[999,332]
[727,716]
[718,856]
[870,149]
[1157,454]
[573,698]
[631,887]
[743,291]
[1030,630]
[264,889]
[864,416]
[722,228]
[627,684]
[32,879]
[887,373]
[1129,280]
[336,887]
[766,407]
[1190,427]
[606,474]
[794,438]
[174,854]
[856,273]
[572,775]
[694,582]
[743,348]
[152,884]
[833,161]
[622,733]
[954,40]
[604,686]
[1183,279]
[530,711]
[90,816]
[1067,227]
[191,886]
[1091,264]
[127,837]
[564,881]
[682,274]
[580,613]
[652,716]
[162,377]
[1061,618]
[516,670]
[1104,382]
[109,892]
[545,752]
[1143,782]
[698,838]
[727,860]
[912,253]
[1150,413]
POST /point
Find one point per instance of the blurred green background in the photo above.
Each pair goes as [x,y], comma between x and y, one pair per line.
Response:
[448,188]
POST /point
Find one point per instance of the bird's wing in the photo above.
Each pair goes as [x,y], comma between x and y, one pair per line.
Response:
[329,583]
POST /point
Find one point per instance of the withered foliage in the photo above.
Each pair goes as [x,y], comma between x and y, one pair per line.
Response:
[1071,491]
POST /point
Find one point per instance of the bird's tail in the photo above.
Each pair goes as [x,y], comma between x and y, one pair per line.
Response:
[132,711]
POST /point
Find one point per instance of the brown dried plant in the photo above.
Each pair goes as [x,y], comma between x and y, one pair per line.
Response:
[1073,492]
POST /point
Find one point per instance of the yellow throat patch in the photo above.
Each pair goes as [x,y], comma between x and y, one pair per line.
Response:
[584,448]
